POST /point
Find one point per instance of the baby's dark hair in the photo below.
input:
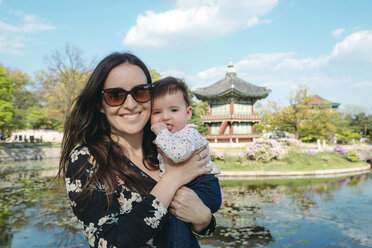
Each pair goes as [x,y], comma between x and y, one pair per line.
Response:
[170,85]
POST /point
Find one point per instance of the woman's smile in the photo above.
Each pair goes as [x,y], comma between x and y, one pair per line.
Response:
[130,116]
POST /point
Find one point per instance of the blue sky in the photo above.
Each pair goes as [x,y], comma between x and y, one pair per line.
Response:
[325,45]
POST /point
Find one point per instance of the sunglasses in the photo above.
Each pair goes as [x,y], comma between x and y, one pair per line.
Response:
[116,96]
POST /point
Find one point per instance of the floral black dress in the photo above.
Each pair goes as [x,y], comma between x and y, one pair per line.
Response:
[133,220]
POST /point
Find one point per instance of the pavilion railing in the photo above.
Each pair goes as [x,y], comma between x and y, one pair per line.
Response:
[231,117]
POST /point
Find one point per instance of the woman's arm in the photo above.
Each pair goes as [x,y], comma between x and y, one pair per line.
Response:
[130,221]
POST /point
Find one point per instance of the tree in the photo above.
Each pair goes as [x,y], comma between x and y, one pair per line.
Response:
[155,76]
[290,118]
[306,122]
[22,98]
[198,110]
[38,117]
[323,124]
[298,112]
[6,107]
[361,123]
[66,75]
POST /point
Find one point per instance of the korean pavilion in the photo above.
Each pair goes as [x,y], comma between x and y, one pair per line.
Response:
[231,102]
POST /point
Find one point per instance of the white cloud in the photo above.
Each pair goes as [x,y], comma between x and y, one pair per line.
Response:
[306,63]
[338,32]
[13,37]
[363,84]
[12,45]
[177,74]
[212,73]
[282,85]
[193,22]
[357,46]
[262,60]
[323,81]
[29,24]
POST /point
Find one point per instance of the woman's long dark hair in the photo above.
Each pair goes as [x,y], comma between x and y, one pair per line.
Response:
[87,126]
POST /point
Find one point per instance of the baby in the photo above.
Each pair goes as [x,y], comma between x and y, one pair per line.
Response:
[171,109]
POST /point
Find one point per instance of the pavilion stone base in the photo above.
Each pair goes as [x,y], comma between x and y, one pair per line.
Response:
[234,139]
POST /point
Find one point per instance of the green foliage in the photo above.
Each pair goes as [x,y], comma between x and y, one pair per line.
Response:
[22,98]
[321,125]
[352,156]
[199,109]
[346,134]
[6,113]
[155,76]
[6,107]
[290,118]
[309,123]
[49,122]
[38,117]
[360,123]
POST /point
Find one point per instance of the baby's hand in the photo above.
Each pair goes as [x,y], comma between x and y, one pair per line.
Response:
[157,127]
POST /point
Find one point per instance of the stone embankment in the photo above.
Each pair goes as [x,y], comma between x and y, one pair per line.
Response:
[19,154]
[293,174]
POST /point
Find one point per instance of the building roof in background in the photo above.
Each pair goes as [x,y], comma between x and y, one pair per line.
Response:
[232,84]
[318,101]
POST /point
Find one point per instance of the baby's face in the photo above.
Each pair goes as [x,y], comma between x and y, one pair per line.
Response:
[171,110]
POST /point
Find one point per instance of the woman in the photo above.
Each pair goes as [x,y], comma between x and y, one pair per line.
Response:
[110,165]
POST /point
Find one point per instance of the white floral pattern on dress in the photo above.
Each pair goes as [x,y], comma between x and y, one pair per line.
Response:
[89,232]
[103,220]
[74,186]
[126,204]
[75,153]
[102,243]
[159,212]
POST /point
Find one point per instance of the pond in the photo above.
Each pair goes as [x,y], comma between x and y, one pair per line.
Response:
[333,212]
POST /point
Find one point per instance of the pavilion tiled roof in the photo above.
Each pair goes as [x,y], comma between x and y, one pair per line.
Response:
[231,83]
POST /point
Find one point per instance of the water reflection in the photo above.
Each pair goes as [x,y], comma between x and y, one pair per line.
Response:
[34,213]
[308,213]
[329,212]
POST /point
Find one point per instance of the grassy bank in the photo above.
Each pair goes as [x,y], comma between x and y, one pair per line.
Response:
[272,183]
[290,162]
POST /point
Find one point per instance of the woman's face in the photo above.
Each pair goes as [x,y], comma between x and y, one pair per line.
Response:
[131,117]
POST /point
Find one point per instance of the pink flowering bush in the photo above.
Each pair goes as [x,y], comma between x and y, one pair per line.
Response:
[290,142]
[216,155]
[264,150]
[311,152]
[326,158]
[339,150]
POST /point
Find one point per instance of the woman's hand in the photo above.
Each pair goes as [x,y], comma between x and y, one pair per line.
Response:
[188,207]
[186,171]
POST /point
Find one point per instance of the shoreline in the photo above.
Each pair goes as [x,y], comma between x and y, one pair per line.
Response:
[249,175]
[23,154]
